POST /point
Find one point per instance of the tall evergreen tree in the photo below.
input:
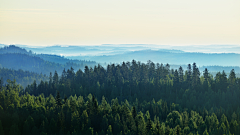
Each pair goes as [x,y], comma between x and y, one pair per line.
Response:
[180,71]
[55,78]
[176,81]
[58,100]
[189,75]
[206,78]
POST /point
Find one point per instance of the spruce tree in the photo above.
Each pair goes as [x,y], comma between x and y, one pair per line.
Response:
[180,71]
[58,100]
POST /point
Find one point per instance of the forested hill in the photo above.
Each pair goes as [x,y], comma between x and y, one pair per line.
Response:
[23,78]
[33,63]
[128,99]
[13,57]
[14,49]
[46,57]
[62,60]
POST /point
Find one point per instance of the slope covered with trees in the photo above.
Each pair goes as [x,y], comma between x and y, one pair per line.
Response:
[22,77]
[14,49]
[34,64]
[14,57]
[131,98]
[46,57]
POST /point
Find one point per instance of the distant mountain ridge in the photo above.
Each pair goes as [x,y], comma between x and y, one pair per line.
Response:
[16,58]
[215,61]
[13,49]
[46,57]
[113,49]
[222,59]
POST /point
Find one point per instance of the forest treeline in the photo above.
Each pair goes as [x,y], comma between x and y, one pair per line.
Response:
[133,80]
[131,98]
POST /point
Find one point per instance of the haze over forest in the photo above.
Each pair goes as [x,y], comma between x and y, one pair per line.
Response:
[208,55]
[43,60]
[119,67]
[141,98]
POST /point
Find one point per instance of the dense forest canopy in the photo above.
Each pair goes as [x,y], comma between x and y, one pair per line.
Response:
[131,98]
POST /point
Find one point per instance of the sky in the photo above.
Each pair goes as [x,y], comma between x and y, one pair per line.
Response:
[95,22]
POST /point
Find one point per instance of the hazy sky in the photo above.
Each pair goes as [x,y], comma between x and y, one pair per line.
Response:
[87,22]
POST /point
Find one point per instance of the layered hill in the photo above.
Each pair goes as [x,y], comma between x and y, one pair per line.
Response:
[14,57]
[164,56]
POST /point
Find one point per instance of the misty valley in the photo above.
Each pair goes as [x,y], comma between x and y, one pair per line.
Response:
[123,90]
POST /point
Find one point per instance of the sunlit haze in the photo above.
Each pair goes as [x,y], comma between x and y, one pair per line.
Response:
[95,22]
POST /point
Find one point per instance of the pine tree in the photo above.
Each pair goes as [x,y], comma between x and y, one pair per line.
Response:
[195,77]
[58,100]
[55,79]
[180,71]
[206,77]
[232,80]
[134,112]
[63,77]
[50,79]
[189,75]
[176,81]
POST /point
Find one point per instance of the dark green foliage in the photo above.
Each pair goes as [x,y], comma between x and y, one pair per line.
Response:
[14,130]
[149,126]
[137,99]
[58,100]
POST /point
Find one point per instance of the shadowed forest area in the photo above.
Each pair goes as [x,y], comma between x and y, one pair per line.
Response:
[129,98]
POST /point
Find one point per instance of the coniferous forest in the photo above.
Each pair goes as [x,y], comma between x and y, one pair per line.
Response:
[132,98]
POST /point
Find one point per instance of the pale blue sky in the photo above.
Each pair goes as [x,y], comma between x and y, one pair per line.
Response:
[88,22]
